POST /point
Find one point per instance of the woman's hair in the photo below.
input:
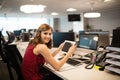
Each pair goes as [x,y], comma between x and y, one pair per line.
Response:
[37,39]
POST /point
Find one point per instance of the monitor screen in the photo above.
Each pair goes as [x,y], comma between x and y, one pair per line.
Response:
[89,41]
[59,37]
[74,17]
[23,30]
[103,40]
[17,32]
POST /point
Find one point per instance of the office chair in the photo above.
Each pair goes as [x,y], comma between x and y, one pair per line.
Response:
[2,54]
[12,56]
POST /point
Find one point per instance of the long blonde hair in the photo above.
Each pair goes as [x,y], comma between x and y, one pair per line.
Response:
[37,39]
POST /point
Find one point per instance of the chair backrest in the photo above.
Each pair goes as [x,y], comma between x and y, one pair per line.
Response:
[2,41]
[14,59]
[11,37]
[13,56]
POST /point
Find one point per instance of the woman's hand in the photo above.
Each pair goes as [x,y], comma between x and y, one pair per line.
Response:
[61,45]
[72,48]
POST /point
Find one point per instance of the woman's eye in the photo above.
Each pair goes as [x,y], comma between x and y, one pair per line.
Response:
[49,33]
[45,33]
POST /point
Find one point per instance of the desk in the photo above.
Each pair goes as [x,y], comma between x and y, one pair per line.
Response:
[69,72]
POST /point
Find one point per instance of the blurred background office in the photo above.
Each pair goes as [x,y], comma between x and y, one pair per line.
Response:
[63,15]
[13,18]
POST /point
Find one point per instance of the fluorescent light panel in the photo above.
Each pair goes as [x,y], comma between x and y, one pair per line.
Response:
[32,8]
[54,13]
[92,15]
[71,9]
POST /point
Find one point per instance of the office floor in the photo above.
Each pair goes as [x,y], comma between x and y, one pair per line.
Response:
[3,71]
[4,75]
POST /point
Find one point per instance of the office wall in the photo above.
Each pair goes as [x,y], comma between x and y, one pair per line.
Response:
[63,25]
[109,20]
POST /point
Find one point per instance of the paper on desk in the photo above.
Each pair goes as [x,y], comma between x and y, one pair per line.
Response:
[65,67]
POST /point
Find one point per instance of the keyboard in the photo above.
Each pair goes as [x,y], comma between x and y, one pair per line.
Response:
[72,62]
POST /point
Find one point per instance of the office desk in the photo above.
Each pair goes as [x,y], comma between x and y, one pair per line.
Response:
[80,73]
[69,72]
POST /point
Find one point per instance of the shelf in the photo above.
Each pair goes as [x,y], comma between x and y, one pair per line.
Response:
[113,49]
[113,61]
[114,55]
[113,68]
[113,58]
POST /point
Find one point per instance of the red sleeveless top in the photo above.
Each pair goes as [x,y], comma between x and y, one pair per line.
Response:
[32,65]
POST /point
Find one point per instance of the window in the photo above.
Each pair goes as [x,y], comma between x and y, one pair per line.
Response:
[15,23]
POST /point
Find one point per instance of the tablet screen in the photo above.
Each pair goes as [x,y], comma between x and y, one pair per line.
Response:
[66,46]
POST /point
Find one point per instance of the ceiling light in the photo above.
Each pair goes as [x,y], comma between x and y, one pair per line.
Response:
[107,0]
[71,9]
[32,8]
[54,13]
[92,15]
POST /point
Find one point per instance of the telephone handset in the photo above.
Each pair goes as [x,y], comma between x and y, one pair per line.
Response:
[98,59]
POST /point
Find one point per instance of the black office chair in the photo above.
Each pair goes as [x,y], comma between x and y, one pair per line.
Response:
[12,56]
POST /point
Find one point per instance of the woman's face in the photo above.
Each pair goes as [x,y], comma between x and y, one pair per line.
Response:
[46,36]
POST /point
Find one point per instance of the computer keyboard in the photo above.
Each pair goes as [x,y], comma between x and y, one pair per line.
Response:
[72,62]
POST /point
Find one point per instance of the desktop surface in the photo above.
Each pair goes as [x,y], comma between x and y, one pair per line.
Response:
[69,72]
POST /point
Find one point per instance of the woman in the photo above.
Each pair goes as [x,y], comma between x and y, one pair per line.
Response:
[37,53]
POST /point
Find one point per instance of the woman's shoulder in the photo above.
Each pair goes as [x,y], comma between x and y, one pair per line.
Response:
[41,45]
[40,48]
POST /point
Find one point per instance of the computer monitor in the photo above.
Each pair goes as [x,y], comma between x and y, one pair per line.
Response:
[17,33]
[74,17]
[88,41]
[103,39]
[23,30]
[60,37]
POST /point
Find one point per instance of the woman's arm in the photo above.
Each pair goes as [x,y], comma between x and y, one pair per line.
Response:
[44,51]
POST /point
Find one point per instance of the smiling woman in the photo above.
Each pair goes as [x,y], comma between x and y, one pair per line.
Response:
[38,52]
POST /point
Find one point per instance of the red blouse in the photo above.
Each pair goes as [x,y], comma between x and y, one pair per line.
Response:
[32,65]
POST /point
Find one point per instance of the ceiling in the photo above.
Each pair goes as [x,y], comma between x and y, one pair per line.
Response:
[12,7]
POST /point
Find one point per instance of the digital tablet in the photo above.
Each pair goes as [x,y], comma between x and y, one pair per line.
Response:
[67,45]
